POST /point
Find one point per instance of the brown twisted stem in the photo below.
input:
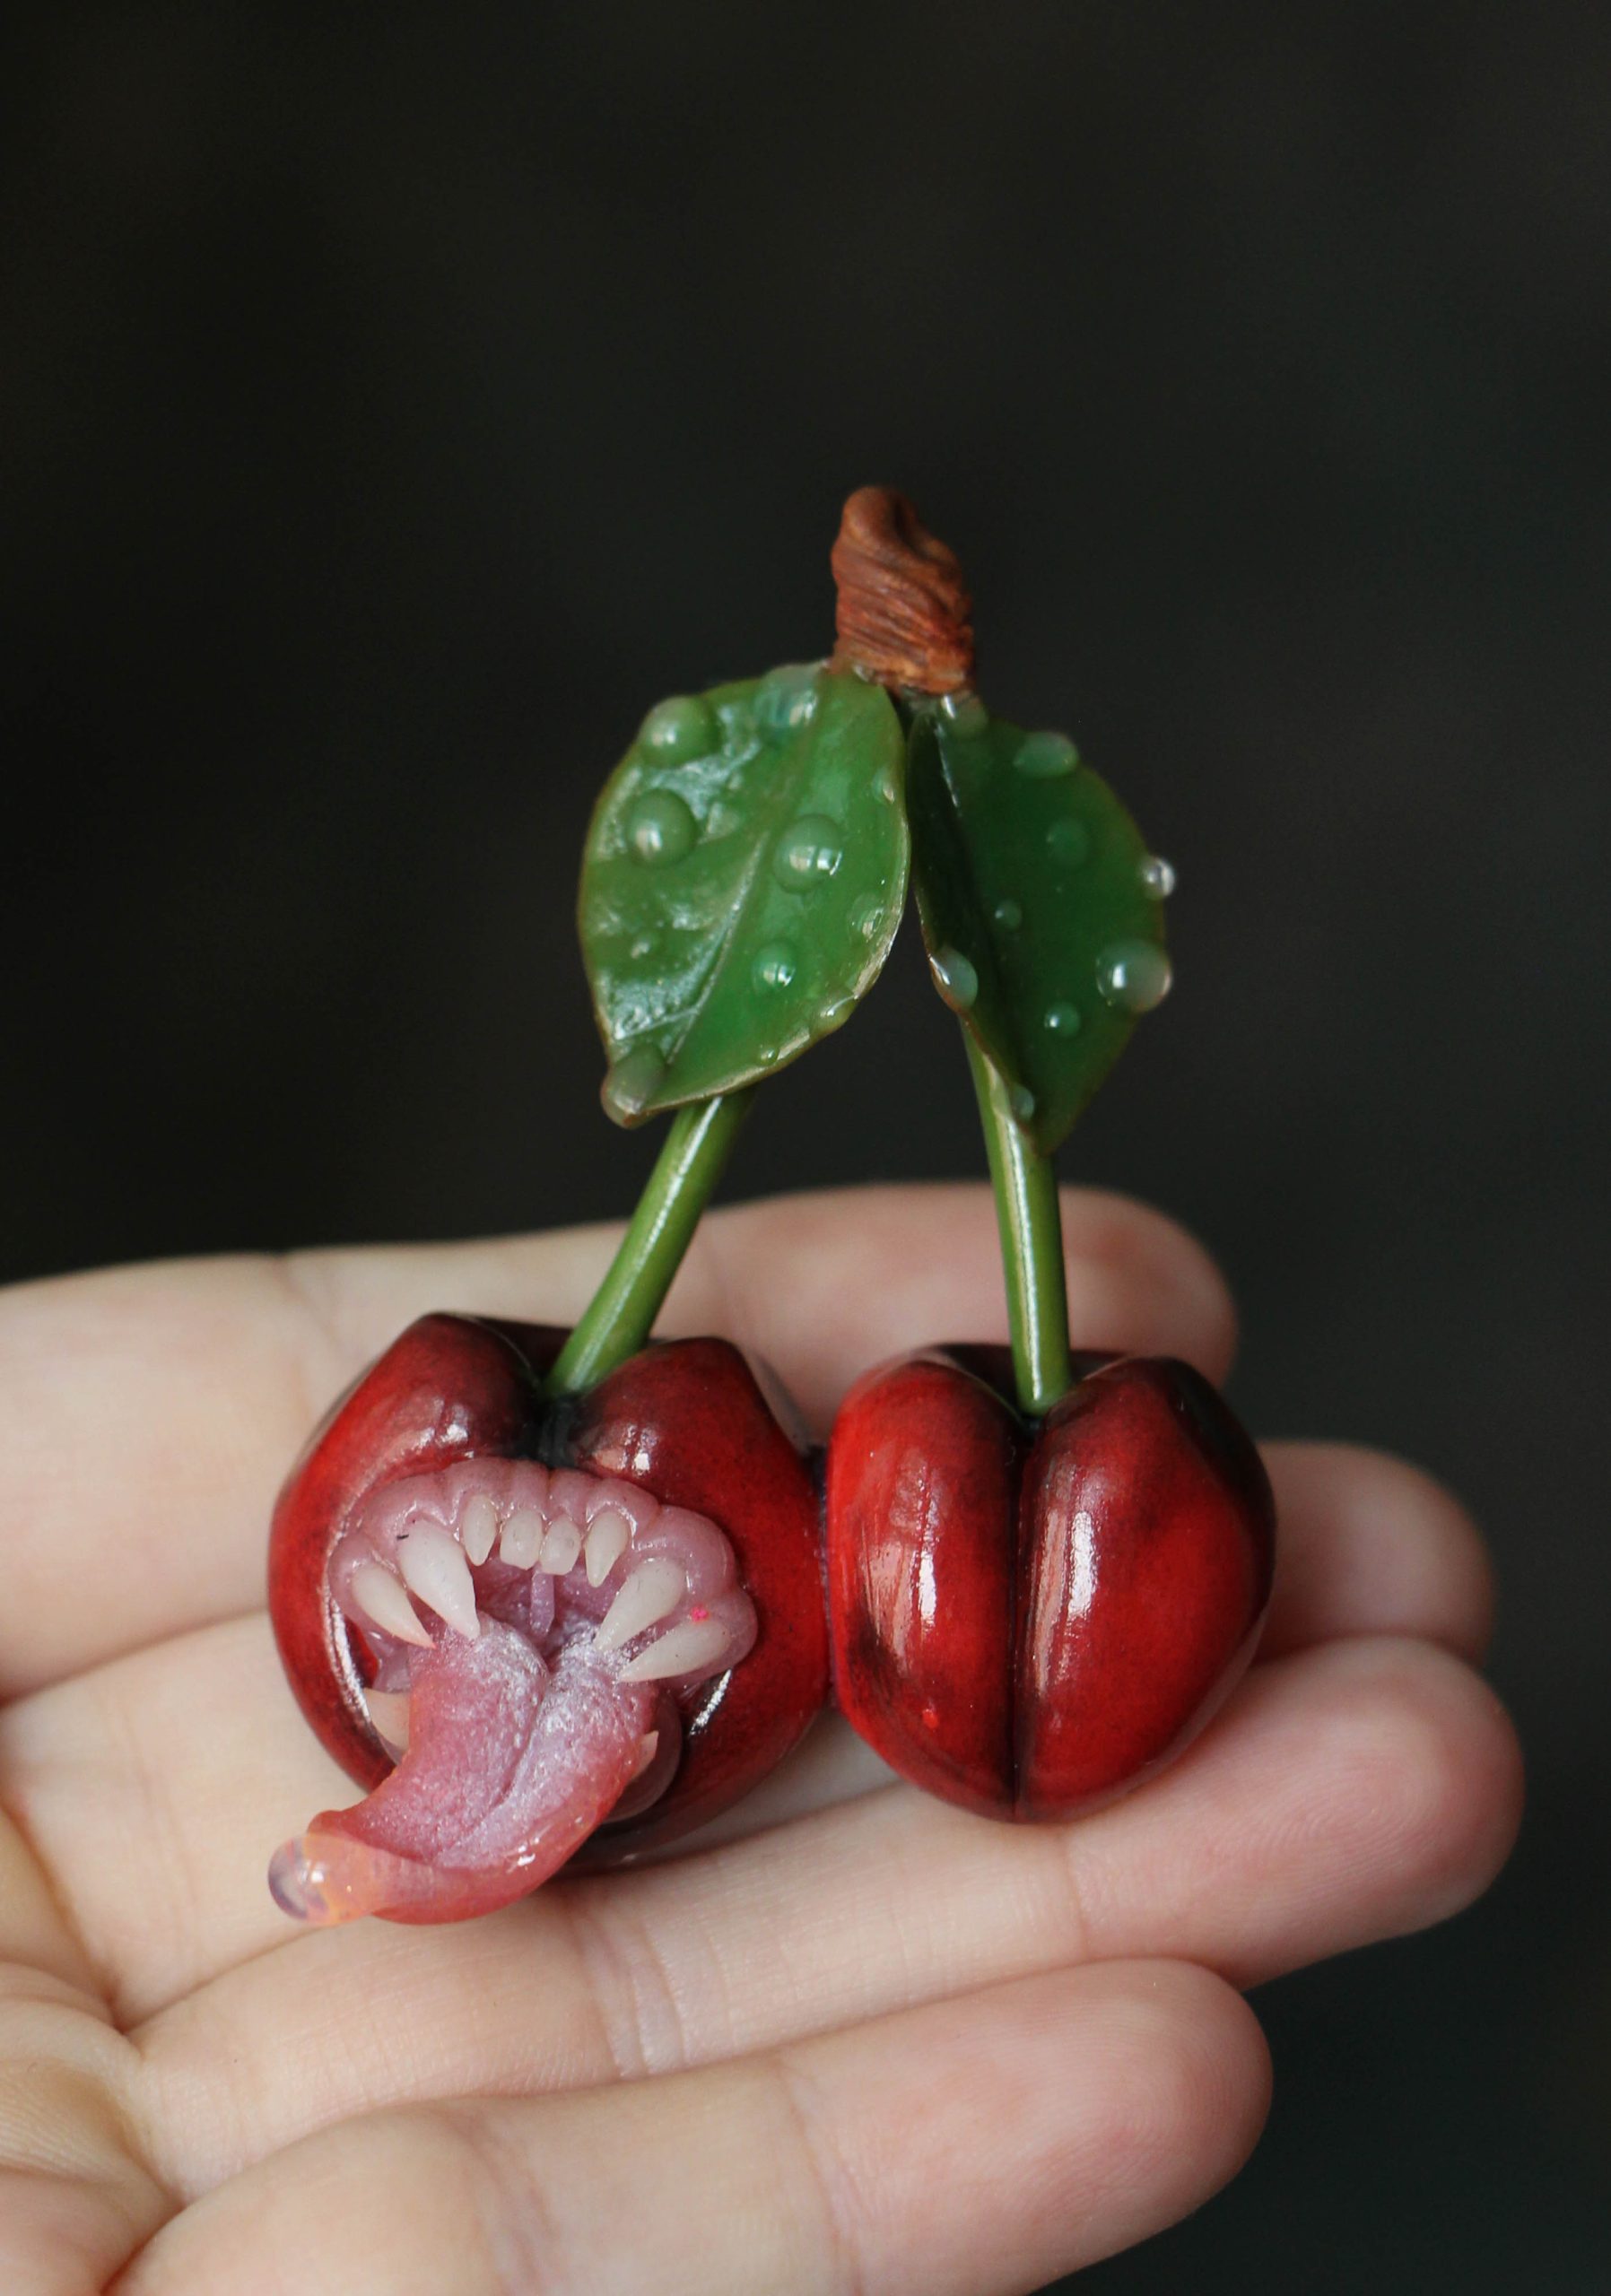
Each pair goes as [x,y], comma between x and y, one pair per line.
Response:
[902,614]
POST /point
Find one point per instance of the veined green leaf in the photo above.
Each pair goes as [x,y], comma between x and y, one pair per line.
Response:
[743,876]
[1041,906]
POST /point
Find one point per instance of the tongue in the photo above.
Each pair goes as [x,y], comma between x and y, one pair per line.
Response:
[511,1764]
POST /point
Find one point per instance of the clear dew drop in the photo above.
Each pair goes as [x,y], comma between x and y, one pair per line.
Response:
[1069,842]
[955,977]
[887,785]
[808,853]
[1063,1019]
[775,966]
[1133,976]
[643,946]
[684,727]
[631,1083]
[1022,1102]
[963,714]
[660,829]
[1008,915]
[867,916]
[787,698]
[1157,877]
[1045,757]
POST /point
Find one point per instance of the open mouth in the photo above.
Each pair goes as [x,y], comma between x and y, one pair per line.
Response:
[531,1633]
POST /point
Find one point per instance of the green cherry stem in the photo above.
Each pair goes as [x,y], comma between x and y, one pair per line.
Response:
[1031,1243]
[623,1309]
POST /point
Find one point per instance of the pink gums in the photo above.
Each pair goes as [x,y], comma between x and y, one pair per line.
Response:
[526,1736]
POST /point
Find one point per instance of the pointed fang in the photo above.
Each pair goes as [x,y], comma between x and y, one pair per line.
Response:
[380,1597]
[478,1528]
[652,1593]
[388,1711]
[607,1542]
[692,1647]
[435,1570]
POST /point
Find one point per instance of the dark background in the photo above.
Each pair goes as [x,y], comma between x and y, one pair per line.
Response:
[395,402]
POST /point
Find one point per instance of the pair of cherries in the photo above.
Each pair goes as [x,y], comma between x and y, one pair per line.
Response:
[1024,1618]
[550,1595]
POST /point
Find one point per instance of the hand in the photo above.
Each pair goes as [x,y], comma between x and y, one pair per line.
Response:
[879,2044]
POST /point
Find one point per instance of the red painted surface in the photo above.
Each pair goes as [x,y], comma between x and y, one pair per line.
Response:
[1028,1621]
[686,1419]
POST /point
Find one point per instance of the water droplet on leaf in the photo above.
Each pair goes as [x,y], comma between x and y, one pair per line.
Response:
[1046,757]
[867,916]
[660,829]
[1022,1102]
[1008,915]
[808,853]
[786,698]
[1069,842]
[1063,1020]
[1133,976]
[955,977]
[1157,877]
[643,945]
[684,727]
[775,966]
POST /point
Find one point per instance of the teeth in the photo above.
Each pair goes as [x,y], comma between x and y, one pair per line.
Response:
[522,1536]
[652,1593]
[683,1650]
[380,1597]
[561,1548]
[607,1544]
[435,1570]
[478,1528]
[388,1711]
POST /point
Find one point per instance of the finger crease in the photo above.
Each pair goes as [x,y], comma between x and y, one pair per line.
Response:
[633,1995]
[832,2182]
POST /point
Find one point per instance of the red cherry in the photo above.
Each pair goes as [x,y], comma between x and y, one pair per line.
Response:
[688,1421]
[1028,1621]
[685,1420]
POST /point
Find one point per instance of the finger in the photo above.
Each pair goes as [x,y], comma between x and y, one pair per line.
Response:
[73,2198]
[1368,1544]
[1351,1794]
[156,1823]
[147,1416]
[975,2146]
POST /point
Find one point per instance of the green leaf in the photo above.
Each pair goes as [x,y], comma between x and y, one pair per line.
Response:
[744,877]
[1042,908]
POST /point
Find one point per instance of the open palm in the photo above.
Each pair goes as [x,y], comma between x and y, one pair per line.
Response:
[863,2041]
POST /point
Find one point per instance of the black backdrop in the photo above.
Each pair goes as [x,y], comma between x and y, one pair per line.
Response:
[394,401]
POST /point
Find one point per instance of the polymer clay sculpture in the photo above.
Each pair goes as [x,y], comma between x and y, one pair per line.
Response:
[549,1594]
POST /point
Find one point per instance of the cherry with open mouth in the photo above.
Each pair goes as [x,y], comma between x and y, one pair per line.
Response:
[557,1598]
[515,1619]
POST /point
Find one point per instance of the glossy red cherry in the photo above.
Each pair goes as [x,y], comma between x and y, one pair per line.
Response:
[1028,1620]
[440,1662]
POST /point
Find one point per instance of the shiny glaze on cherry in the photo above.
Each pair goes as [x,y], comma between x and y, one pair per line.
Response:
[1028,1620]
[684,1419]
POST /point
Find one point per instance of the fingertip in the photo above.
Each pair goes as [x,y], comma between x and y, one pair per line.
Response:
[1369,1544]
[1186,2083]
[1139,1281]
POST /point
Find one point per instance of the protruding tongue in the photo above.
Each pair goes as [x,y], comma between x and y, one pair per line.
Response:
[511,1764]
